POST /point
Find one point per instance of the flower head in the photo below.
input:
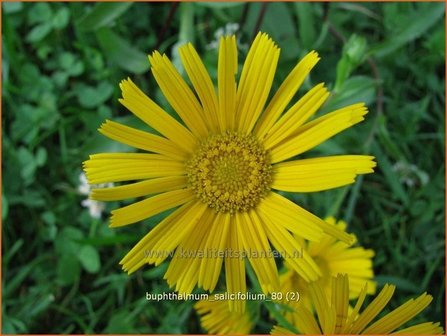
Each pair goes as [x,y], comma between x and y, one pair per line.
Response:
[216,318]
[333,257]
[222,165]
[332,315]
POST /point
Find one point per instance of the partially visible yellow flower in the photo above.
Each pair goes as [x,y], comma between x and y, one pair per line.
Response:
[221,165]
[216,318]
[331,315]
[333,257]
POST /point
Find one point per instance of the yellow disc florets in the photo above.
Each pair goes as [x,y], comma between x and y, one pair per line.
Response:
[230,172]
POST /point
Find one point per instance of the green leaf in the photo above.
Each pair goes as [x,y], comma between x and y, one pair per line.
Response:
[68,269]
[12,7]
[354,90]
[121,52]
[49,217]
[67,240]
[39,32]
[420,21]
[28,164]
[89,258]
[60,19]
[306,24]
[41,156]
[279,12]
[102,15]
[90,97]
[40,12]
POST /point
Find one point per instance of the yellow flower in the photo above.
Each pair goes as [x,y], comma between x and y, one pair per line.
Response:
[216,318]
[221,165]
[332,316]
[332,257]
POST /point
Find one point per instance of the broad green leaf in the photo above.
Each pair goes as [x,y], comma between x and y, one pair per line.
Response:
[67,240]
[89,258]
[421,20]
[60,19]
[102,15]
[306,24]
[91,97]
[354,90]
[49,217]
[39,32]
[41,156]
[68,269]
[28,164]
[120,52]
[279,13]
[40,12]
[12,7]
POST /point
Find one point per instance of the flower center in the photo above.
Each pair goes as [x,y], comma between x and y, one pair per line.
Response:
[230,172]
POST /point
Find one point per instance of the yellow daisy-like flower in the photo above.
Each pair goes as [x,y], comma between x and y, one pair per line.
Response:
[216,318]
[333,257]
[332,316]
[221,165]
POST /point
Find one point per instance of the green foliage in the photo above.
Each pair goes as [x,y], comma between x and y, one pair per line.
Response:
[62,63]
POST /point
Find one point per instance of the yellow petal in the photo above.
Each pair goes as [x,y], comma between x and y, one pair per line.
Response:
[202,83]
[399,316]
[227,69]
[116,167]
[295,255]
[296,116]
[144,252]
[216,318]
[315,132]
[256,80]
[285,93]
[235,268]
[305,321]
[373,309]
[138,189]
[326,314]
[153,115]
[427,328]
[184,266]
[355,311]
[340,301]
[216,242]
[284,212]
[142,140]
[256,246]
[150,207]
[178,94]
[318,174]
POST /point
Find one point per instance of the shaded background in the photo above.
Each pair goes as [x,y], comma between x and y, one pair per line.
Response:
[61,65]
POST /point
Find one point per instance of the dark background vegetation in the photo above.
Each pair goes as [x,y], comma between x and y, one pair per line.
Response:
[61,65]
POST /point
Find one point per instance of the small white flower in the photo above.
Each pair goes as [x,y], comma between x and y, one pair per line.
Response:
[230,29]
[95,208]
